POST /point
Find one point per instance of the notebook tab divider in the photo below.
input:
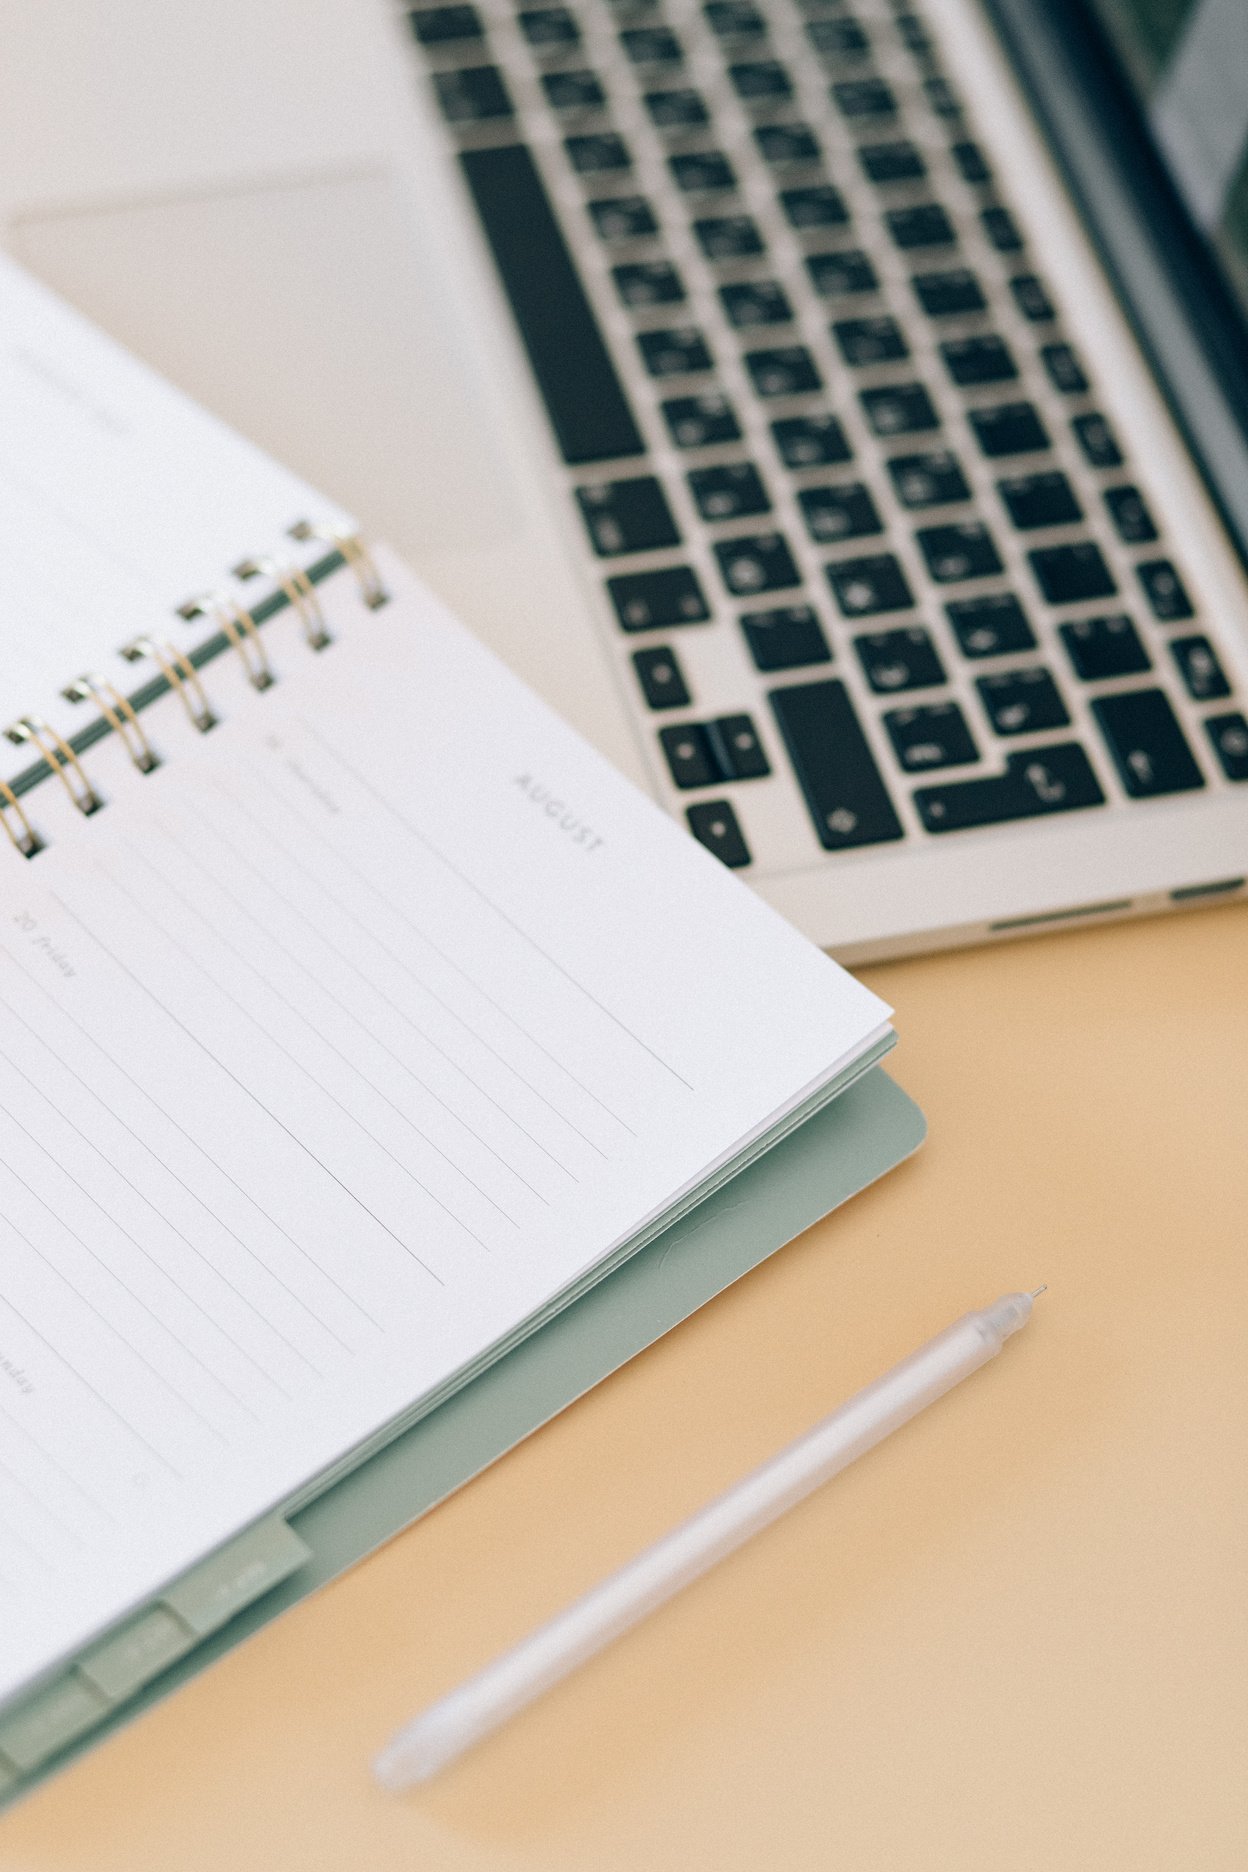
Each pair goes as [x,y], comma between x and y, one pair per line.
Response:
[113,1670]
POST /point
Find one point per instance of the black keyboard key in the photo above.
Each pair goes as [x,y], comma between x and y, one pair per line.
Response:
[931,480]
[785,370]
[681,351]
[728,237]
[899,659]
[477,95]
[1097,440]
[677,110]
[1072,574]
[755,302]
[962,551]
[1202,673]
[1102,647]
[838,39]
[1132,521]
[690,756]
[811,441]
[661,678]
[790,637]
[983,360]
[738,750]
[1165,591]
[835,768]
[972,163]
[627,516]
[700,422]
[864,100]
[925,224]
[1002,229]
[948,294]
[658,600]
[914,34]
[550,29]
[1229,736]
[1065,371]
[838,275]
[895,161]
[729,492]
[735,19]
[1035,783]
[1149,748]
[899,409]
[1025,701]
[1008,429]
[819,206]
[867,586]
[443,25]
[623,218]
[787,146]
[702,172]
[714,824]
[839,513]
[573,91]
[933,735]
[1039,500]
[1031,298]
[991,626]
[761,81]
[943,99]
[866,341]
[602,153]
[648,283]
[584,399]
[758,563]
[652,45]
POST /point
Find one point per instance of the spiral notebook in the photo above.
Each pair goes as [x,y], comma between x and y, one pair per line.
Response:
[355,1019]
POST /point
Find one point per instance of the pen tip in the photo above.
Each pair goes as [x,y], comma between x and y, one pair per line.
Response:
[1037,1291]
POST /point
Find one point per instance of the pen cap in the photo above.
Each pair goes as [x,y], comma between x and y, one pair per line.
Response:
[1007,1315]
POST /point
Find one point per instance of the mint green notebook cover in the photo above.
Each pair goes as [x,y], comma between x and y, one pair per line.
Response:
[862,1134]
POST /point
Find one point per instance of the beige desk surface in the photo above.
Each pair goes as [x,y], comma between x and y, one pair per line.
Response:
[1015,1638]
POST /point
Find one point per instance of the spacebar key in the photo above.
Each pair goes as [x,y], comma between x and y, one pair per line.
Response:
[584,398]
[834,765]
[1041,780]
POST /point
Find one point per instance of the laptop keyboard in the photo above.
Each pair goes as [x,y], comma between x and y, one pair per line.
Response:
[862,528]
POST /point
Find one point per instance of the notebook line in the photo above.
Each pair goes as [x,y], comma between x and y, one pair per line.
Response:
[388,805]
[162,1219]
[87,1385]
[23,1488]
[403,1014]
[115,1065]
[291,1058]
[277,793]
[127,1289]
[166,1222]
[54,1462]
[290,957]
[194,1038]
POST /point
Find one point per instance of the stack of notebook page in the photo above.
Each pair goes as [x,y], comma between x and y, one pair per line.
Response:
[373,1058]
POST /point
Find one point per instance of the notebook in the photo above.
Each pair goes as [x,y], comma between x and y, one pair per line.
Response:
[356,1020]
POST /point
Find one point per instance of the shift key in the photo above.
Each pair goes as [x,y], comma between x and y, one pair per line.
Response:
[835,767]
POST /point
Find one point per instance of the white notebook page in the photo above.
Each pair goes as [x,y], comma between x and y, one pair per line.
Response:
[119,499]
[329,1052]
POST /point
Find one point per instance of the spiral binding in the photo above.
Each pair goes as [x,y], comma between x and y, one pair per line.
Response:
[178,673]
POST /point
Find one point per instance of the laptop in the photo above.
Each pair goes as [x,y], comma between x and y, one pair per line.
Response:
[836,407]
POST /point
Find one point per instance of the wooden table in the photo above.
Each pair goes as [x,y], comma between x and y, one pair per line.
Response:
[1015,1638]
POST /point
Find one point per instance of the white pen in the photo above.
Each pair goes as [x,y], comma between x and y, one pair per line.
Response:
[465,1715]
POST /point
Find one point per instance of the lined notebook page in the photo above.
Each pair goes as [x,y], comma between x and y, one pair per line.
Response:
[328,1054]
